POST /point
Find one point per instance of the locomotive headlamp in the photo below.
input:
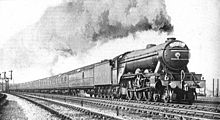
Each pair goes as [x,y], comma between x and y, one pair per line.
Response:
[177,55]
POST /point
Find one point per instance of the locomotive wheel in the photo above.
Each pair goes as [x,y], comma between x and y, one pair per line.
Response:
[99,95]
[166,97]
[95,95]
[147,95]
[156,97]
[138,95]
[111,96]
[110,93]
[104,96]
[130,95]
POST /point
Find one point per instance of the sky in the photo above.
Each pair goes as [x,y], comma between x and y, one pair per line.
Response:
[196,22]
[18,14]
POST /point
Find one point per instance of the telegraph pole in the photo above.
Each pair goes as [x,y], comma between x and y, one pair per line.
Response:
[2,81]
[217,88]
[7,80]
[10,78]
[213,87]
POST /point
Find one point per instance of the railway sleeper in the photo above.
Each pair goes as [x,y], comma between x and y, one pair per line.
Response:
[206,115]
[191,113]
[182,106]
[215,109]
[162,115]
[182,112]
[132,110]
[176,111]
[150,107]
[199,114]
[138,111]
[178,117]
[207,109]
[175,105]
[144,114]
[156,108]
[193,107]
[200,107]
[165,116]
[123,108]
[127,109]
[217,117]
[170,115]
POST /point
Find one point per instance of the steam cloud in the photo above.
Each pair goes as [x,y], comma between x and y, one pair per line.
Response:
[74,27]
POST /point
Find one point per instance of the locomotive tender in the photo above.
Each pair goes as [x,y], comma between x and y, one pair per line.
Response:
[157,73]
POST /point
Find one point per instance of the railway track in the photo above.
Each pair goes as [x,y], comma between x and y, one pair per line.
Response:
[214,104]
[196,106]
[148,109]
[210,107]
[54,107]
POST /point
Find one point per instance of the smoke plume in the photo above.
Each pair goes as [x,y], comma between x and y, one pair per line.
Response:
[74,27]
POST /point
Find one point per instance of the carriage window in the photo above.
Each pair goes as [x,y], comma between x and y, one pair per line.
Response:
[82,75]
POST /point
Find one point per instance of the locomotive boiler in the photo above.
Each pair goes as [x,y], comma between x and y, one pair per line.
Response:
[156,73]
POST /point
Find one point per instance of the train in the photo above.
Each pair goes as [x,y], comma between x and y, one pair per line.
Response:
[156,73]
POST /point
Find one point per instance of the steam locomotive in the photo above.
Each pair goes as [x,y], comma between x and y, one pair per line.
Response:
[156,73]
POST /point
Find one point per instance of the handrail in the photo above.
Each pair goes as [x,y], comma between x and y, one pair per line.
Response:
[194,79]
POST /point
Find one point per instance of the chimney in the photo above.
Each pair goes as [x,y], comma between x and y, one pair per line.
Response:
[170,39]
